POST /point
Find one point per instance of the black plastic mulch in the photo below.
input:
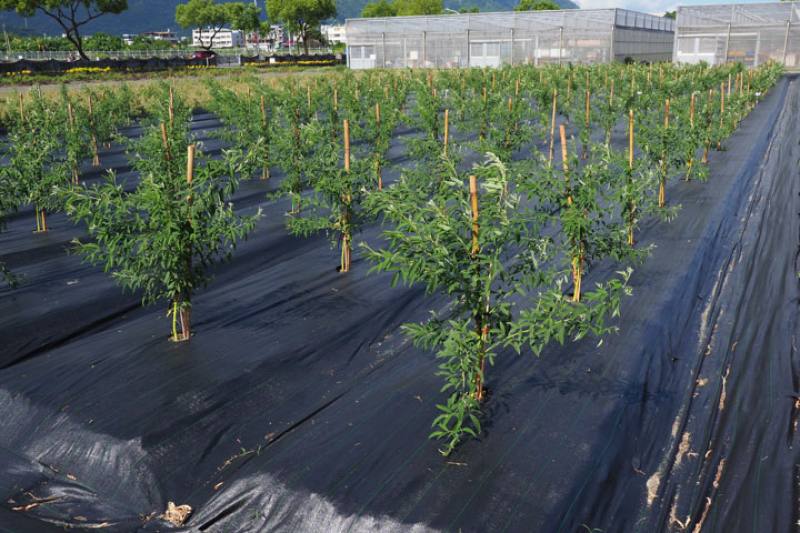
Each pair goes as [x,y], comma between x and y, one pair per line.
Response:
[298,405]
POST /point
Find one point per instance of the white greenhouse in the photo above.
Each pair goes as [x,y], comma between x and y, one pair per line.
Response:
[515,38]
[751,34]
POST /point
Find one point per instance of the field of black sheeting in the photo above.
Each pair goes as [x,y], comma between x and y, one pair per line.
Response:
[299,406]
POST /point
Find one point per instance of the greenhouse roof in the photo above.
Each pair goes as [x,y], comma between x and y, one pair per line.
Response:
[523,20]
[739,14]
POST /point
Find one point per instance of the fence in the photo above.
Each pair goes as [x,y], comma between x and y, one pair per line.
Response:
[71,55]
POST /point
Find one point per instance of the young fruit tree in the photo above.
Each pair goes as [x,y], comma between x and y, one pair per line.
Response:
[10,199]
[248,120]
[163,237]
[476,243]
[34,162]
[336,204]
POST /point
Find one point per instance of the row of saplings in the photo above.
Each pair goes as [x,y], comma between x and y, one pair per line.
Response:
[508,239]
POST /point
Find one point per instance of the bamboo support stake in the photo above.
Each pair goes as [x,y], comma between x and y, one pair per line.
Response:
[569,88]
[707,146]
[377,159]
[565,161]
[662,182]
[165,142]
[346,124]
[71,120]
[346,252]
[446,130]
[721,114]
[190,152]
[336,100]
[22,107]
[631,206]
[264,123]
[611,95]
[587,121]
[95,153]
[516,88]
[553,127]
[171,108]
[690,163]
[473,198]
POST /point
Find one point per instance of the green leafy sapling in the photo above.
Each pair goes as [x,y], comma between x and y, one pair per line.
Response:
[336,203]
[163,237]
[34,162]
[479,246]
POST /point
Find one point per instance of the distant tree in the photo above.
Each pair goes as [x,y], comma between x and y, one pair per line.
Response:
[70,15]
[209,14]
[103,41]
[473,9]
[671,15]
[301,17]
[243,16]
[418,7]
[381,8]
[537,5]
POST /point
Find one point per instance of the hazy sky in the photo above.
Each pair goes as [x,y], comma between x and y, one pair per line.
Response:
[652,6]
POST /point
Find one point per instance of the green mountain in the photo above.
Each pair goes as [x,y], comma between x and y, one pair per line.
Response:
[153,15]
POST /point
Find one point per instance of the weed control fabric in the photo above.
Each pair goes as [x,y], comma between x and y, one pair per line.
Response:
[298,405]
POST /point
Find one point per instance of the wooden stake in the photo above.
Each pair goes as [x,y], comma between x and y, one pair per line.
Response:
[190,151]
[346,145]
[22,107]
[631,206]
[377,159]
[553,127]
[446,130]
[473,198]
[721,113]
[71,119]
[95,153]
[662,192]
[165,142]
[565,161]
[171,107]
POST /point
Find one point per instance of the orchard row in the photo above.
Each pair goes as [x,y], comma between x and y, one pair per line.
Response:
[521,179]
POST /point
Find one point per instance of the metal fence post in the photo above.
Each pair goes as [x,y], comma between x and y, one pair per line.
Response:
[424,48]
[727,44]
[612,48]
[469,50]
[786,40]
[383,50]
[512,47]
[560,43]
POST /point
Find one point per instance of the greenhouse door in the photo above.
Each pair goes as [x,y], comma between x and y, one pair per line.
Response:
[693,49]
[362,56]
[484,54]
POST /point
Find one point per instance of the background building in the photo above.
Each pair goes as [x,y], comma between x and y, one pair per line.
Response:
[748,33]
[494,39]
[224,38]
[334,34]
